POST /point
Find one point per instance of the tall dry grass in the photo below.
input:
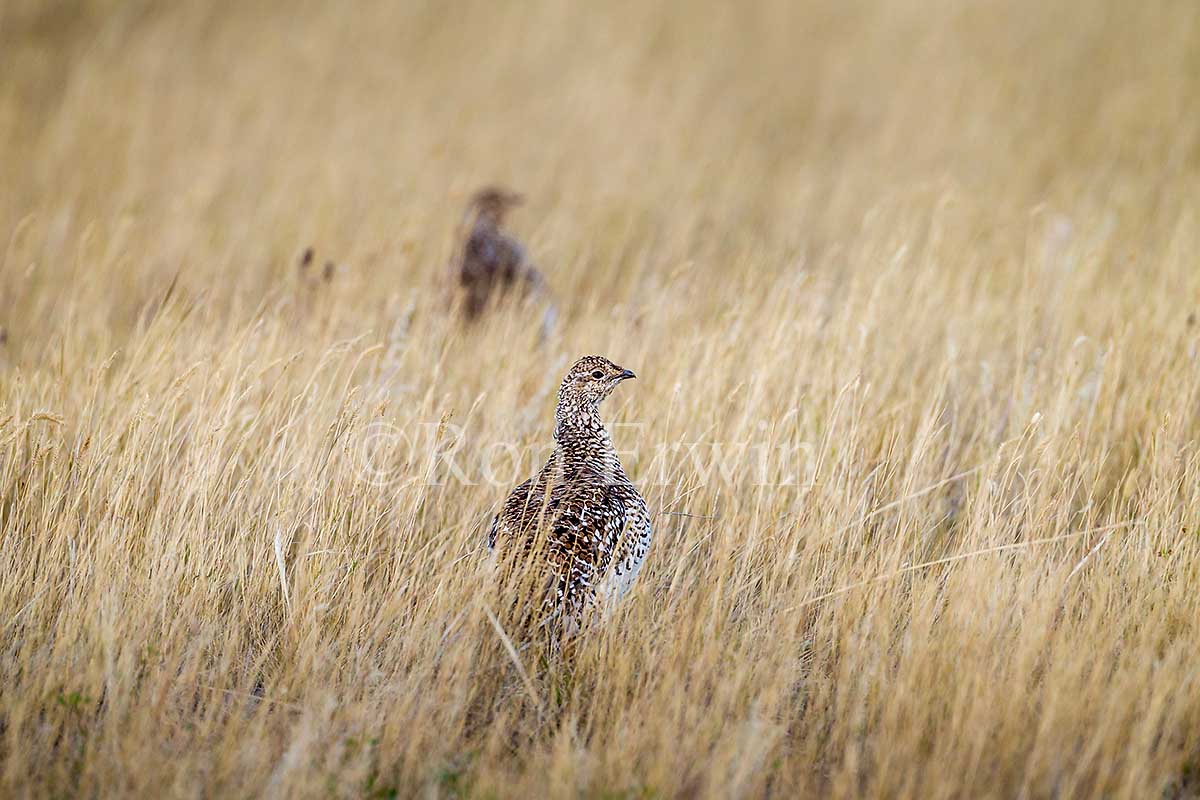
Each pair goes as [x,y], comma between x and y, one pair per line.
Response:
[937,261]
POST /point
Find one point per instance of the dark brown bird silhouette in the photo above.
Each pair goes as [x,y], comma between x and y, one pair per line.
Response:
[490,261]
[595,520]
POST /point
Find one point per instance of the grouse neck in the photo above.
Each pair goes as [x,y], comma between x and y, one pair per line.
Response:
[581,440]
[577,420]
[486,223]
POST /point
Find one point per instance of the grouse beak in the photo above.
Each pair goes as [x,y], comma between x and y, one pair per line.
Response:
[624,374]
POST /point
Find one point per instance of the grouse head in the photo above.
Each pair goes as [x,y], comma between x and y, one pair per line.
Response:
[493,203]
[588,382]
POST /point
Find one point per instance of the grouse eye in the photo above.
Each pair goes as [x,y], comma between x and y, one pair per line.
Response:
[598,374]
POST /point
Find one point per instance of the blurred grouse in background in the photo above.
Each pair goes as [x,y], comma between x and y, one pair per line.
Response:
[490,261]
[596,523]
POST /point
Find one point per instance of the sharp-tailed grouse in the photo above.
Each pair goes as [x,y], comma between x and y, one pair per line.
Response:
[595,522]
[490,261]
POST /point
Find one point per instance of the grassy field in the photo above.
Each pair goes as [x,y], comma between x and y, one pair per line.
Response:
[911,290]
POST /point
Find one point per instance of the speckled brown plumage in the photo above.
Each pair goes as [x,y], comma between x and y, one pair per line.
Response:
[595,520]
[490,261]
